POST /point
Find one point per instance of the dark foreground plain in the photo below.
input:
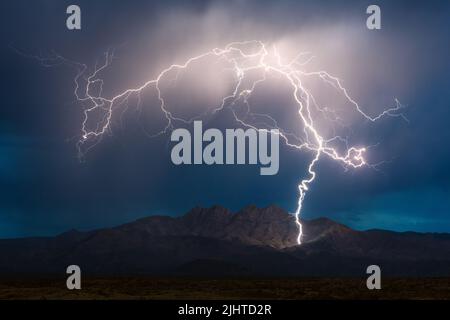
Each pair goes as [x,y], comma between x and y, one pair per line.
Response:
[226,289]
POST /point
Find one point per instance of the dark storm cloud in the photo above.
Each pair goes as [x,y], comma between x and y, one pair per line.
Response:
[45,189]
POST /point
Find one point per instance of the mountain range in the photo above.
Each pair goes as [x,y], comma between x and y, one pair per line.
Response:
[217,242]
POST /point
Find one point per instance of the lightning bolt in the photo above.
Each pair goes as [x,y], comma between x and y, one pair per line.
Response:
[241,58]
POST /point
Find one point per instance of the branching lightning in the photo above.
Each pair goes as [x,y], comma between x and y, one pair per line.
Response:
[241,61]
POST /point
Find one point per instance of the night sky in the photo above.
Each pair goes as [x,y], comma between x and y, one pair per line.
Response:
[45,188]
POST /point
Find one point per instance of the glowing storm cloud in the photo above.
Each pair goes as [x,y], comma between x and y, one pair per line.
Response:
[241,58]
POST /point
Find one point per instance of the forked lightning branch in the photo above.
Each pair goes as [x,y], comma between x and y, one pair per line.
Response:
[243,59]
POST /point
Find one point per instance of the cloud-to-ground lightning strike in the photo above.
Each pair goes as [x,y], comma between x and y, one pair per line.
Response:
[259,58]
